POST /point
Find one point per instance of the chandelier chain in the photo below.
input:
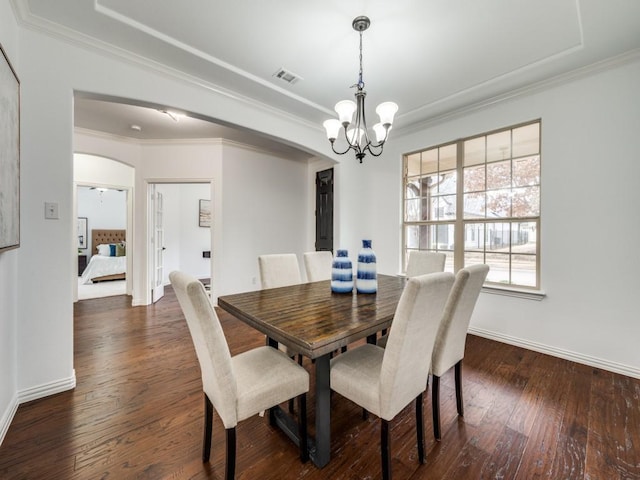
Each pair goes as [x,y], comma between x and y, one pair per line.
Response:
[360,81]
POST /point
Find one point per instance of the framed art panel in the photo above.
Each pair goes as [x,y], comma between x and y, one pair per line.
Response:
[9,155]
[82,232]
[204,217]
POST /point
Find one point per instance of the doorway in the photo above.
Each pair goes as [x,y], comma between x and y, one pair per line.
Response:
[106,203]
[100,210]
[179,232]
[324,210]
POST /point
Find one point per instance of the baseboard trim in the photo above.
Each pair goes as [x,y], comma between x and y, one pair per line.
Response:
[46,389]
[138,302]
[7,417]
[608,365]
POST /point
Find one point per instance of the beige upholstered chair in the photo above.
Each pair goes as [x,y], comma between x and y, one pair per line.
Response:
[452,334]
[318,265]
[383,381]
[279,270]
[421,262]
[240,386]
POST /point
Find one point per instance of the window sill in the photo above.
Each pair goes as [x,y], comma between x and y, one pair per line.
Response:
[514,292]
[537,295]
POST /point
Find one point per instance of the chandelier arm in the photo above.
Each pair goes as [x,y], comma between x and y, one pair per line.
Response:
[333,147]
[369,147]
[346,137]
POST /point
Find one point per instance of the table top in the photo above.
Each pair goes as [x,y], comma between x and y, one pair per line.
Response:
[312,320]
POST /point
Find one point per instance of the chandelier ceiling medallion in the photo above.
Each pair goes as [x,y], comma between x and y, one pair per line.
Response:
[355,133]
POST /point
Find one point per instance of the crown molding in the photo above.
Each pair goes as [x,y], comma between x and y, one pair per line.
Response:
[220,141]
[533,88]
[144,141]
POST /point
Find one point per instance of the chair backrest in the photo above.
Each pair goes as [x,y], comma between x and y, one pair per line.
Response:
[318,265]
[279,270]
[415,324]
[452,334]
[421,263]
[218,380]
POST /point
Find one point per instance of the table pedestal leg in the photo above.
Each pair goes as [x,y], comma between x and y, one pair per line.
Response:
[323,412]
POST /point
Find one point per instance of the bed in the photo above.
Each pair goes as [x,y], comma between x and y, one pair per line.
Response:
[103,267]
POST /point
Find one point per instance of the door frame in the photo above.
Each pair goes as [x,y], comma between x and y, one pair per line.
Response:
[317,222]
[314,167]
[129,232]
[148,267]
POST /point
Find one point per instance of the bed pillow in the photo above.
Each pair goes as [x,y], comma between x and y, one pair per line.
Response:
[120,250]
[104,250]
[112,249]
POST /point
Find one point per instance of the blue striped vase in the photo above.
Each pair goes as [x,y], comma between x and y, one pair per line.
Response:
[341,273]
[367,281]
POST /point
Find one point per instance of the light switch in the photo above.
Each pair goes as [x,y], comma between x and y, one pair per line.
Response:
[51,210]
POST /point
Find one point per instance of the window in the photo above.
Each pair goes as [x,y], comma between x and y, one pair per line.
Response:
[478,200]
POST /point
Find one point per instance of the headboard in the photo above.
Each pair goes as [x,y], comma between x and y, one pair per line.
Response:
[99,237]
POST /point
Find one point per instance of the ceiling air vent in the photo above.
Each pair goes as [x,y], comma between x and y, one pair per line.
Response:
[287,76]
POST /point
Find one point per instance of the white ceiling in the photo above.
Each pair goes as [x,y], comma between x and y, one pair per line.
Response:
[431,57]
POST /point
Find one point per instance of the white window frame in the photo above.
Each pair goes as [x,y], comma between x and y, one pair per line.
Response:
[460,225]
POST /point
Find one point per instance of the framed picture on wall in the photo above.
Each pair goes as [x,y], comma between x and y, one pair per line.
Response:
[9,155]
[204,217]
[82,232]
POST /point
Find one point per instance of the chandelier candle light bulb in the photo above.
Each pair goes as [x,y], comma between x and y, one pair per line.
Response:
[360,143]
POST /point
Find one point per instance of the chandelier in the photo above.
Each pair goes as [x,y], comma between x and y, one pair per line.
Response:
[355,133]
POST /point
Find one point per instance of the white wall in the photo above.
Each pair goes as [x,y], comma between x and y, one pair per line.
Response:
[8,268]
[589,231]
[102,171]
[264,209]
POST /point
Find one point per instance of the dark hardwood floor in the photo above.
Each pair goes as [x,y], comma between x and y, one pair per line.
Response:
[137,413]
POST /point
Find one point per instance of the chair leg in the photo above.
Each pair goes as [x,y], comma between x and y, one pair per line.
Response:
[291,403]
[302,427]
[458,376]
[230,469]
[385,449]
[420,427]
[208,425]
[435,402]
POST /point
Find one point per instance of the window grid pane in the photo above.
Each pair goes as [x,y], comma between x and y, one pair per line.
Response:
[498,177]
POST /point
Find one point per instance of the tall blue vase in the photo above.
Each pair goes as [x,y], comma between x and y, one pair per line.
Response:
[341,273]
[367,281]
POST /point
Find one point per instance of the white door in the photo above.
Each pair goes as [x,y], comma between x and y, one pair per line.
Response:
[157,246]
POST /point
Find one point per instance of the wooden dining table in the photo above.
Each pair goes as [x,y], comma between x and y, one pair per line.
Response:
[311,320]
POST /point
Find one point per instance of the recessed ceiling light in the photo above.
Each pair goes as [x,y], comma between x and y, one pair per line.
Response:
[137,128]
